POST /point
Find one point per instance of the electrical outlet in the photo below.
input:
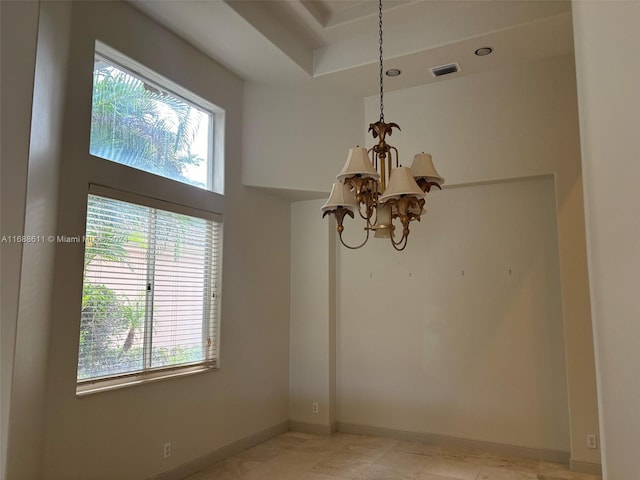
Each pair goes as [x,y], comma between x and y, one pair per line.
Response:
[592,440]
[166,450]
[314,407]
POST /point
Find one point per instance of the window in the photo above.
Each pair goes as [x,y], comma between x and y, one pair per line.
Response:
[152,247]
[150,289]
[137,122]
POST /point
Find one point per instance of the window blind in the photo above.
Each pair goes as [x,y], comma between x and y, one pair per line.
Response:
[150,290]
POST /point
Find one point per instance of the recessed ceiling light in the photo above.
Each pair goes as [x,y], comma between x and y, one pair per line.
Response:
[482,51]
[393,72]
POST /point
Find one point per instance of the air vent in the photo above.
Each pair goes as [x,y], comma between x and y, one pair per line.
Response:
[445,69]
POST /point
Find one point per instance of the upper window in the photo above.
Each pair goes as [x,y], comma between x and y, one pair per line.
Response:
[137,122]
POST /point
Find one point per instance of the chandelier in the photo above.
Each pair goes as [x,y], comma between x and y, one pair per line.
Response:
[374,185]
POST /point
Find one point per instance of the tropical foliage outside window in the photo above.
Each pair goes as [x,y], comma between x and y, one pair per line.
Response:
[135,123]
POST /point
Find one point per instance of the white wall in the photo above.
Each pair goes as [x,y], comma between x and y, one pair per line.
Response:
[608,73]
[461,334]
[18,43]
[28,390]
[312,349]
[297,139]
[120,434]
[501,124]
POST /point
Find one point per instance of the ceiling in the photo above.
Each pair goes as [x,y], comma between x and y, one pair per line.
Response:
[333,44]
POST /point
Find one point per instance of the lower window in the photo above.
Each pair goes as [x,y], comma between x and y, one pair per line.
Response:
[150,292]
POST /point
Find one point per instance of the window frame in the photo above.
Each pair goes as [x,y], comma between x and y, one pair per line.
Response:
[216,127]
[121,182]
[151,373]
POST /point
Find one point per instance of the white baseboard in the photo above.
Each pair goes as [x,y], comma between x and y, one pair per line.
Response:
[555,456]
[313,428]
[189,468]
[585,467]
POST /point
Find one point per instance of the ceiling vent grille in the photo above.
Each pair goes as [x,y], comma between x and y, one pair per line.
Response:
[445,69]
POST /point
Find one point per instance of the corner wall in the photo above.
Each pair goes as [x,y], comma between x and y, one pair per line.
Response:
[25,442]
[19,36]
[312,373]
[608,73]
[295,142]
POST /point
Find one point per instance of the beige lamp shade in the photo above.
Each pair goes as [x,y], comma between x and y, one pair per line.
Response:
[422,167]
[358,165]
[401,184]
[341,196]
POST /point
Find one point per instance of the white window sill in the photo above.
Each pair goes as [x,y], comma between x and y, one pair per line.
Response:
[105,385]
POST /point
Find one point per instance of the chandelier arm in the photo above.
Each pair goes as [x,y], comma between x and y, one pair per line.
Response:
[364,217]
[402,205]
[370,197]
[375,221]
[366,239]
[397,155]
[374,156]
[402,244]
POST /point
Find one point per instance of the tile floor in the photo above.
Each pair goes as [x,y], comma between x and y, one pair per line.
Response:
[342,456]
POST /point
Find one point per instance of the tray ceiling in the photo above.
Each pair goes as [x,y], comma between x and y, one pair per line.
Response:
[333,44]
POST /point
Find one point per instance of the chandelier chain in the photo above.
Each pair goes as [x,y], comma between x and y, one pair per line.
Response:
[381,67]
